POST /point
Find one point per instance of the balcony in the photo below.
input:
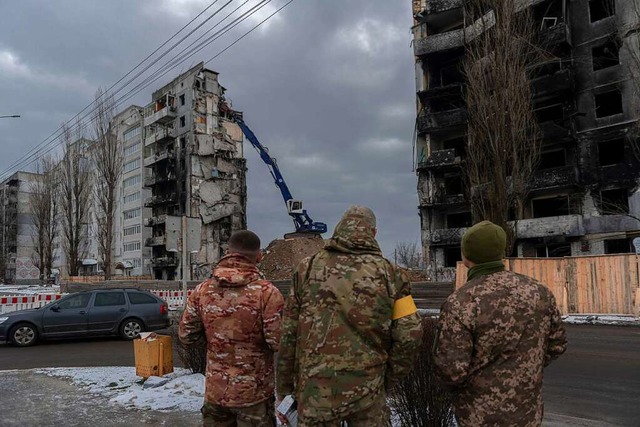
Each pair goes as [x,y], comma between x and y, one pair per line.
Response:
[438,42]
[156,220]
[165,261]
[551,131]
[453,91]
[565,176]
[622,173]
[169,198]
[441,159]
[155,241]
[157,135]
[444,200]
[161,111]
[158,157]
[155,179]
[431,7]
[446,236]
[432,121]
[565,225]
[554,36]
[558,82]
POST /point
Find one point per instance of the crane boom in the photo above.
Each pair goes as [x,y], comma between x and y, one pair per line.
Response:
[301,219]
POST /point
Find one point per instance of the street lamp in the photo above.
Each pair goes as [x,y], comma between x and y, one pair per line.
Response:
[13,116]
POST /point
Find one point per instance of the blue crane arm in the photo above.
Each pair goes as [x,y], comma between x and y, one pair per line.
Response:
[301,220]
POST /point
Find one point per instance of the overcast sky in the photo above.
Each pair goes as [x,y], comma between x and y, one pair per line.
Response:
[327,85]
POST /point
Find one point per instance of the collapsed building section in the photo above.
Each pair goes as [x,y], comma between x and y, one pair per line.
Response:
[583,196]
[195,159]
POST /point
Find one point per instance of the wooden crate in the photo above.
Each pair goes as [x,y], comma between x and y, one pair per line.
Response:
[153,357]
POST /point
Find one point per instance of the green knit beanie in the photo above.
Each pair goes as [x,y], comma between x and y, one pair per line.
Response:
[484,242]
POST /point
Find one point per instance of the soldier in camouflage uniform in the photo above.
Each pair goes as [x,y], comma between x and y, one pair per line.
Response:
[240,315]
[350,330]
[496,334]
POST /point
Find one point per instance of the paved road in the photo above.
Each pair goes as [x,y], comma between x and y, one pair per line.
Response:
[596,383]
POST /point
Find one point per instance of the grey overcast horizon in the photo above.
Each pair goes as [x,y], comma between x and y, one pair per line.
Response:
[327,85]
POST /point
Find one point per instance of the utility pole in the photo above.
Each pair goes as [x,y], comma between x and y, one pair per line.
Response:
[184,260]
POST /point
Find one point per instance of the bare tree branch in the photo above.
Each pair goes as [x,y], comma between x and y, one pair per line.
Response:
[43,204]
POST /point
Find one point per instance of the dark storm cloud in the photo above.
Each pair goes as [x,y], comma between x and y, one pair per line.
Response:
[326,85]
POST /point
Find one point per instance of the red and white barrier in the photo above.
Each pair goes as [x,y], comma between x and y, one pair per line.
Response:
[10,303]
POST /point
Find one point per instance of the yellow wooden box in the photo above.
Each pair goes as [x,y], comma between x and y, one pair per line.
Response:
[153,357]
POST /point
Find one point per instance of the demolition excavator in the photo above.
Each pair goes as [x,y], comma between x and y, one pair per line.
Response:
[304,225]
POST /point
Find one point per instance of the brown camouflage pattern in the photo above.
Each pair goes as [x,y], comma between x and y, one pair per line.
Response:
[496,334]
[340,348]
[240,314]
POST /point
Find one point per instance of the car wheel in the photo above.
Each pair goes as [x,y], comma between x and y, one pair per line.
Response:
[24,335]
[131,328]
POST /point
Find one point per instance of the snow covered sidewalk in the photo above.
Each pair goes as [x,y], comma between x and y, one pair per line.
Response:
[106,397]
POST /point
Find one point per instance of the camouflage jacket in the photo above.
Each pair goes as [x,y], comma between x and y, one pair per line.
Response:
[496,334]
[240,316]
[340,346]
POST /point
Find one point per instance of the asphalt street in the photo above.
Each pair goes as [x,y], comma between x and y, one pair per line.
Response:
[596,383]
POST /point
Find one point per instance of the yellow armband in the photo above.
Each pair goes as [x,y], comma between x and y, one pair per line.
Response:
[404,307]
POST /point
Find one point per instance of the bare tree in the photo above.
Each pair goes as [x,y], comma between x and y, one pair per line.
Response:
[75,191]
[108,160]
[503,141]
[407,254]
[43,204]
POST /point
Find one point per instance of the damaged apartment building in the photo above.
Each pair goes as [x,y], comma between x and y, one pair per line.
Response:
[195,167]
[583,196]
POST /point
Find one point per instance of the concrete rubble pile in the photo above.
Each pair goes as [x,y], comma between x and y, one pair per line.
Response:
[282,256]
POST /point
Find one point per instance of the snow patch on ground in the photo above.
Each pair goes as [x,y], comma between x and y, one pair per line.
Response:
[183,392]
[601,319]
[28,290]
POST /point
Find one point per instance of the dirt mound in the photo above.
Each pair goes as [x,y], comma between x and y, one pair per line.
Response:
[282,255]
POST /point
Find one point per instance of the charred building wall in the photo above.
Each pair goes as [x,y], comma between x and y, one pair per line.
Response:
[583,197]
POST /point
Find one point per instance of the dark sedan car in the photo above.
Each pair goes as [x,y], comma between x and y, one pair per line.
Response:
[124,312]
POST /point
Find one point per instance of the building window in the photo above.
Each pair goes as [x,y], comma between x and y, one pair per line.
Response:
[552,159]
[552,206]
[136,179]
[132,165]
[132,246]
[183,121]
[618,246]
[549,113]
[131,133]
[453,185]
[131,231]
[457,144]
[606,55]
[132,149]
[553,251]
[601,9]
[132,213]
[451,256]
[614,202]
[608,104]
[182,100]
[131,197]
[459,220]
[611,152]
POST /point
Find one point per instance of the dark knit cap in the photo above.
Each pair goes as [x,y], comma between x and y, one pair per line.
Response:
[484,242]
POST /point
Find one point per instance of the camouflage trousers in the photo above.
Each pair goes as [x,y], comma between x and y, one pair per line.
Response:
[259,415]
[377,415]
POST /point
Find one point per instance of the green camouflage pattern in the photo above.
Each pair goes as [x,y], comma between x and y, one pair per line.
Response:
[340,348]
[496,335]
[240,314]
[378,415]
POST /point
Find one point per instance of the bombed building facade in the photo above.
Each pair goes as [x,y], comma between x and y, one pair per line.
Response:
[583,197]
[196,168]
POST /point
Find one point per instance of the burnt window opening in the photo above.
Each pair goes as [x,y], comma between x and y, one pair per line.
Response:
[552,159]
[451,256]
[459,220]
[549,113]
[553,206]
[611,152]
[601,9]
[445,71]
[606,55]
[182,99]
[614,202]
[557,250]
[458,144]
[453,185]
[451,74]
[183,122]
[446,103]
[618,246]
[608,104]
